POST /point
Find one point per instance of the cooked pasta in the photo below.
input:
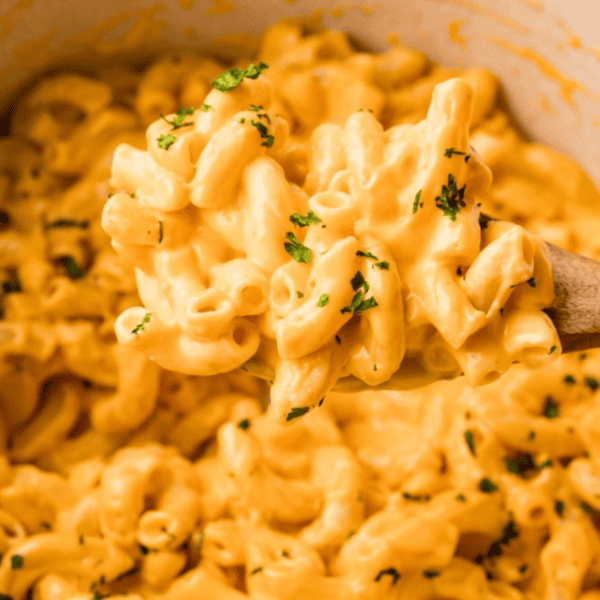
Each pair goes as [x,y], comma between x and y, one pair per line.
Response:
[129,473]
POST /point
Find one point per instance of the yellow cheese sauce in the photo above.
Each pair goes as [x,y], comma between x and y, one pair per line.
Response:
[122,478]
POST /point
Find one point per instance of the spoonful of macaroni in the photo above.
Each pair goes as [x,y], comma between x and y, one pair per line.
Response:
[373,269]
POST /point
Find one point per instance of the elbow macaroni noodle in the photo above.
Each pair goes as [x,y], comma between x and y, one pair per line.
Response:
[151,470]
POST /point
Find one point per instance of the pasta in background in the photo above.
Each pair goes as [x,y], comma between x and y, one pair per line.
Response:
[122,478]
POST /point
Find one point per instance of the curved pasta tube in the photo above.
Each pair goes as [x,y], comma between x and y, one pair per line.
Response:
[200,581]
[159,569]
[62,554]
[57,416]
[76,154]
[531,507]
[328,157]
[287,287]
[281,500]
[380,338]
[309,327]
[64,298]
[390,537]
[337,472]
[136,170]
[224,543]
[267,200]
[160,84]
[136,395]
[225,156]
[172,349]
[489,287]
[11,531]
[565,560]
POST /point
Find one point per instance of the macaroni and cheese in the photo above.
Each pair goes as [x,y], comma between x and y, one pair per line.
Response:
[122,478]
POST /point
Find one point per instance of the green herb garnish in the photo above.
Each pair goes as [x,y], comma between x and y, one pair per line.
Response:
[257,570]
[451,199]
[180,116]
[591,382]
[531,282]
[298,251]
[461,498]
[569,379]
[416,201]
[431,574]
[323,300]
[68,262]
[141,326]
[519,465]
[65,222]
[359,281]
[264,133]
[450,151]
[391,571]
[301,221]
[366,254]
[231,78]
[244,424]
[487,486]
[297,411]
[550,410]
[358,304]
[552,350]
[205,107]
[165,141]
[16,561]
[338,339]
[469,440]
[160,231]
[559,507]
[416,497]
[299,294]
[382,264]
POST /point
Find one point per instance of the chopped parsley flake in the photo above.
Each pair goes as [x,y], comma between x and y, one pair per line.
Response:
[559,507]
[523,568]
[264,133]
[231,78]
[550,408]
[64,222]
[301,221]
[5,597]
[359,281]
[546,464]
[205,107]
[431,574]
[141,326]
[165,141]
[338,339]
[244,424]
[366,254]
[416,497]
[591,382]
[180,116]
[461,497]
[469,440]
[16,561]
[160,232]
[531,282]
[297,411]
[569,379]
[81,540]
[552,350]
[242,120]
[68,262]
[509,533]
[298,251]
[323,300]
[487,486]
[519,465]
[299,294]
[416,202]
[255,108]
[451,199]
[450,151]
[12,285]
[358,304]
[257,570]
[382,264]
[391,571]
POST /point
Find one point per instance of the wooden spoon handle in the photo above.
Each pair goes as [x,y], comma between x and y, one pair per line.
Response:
[575,311]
